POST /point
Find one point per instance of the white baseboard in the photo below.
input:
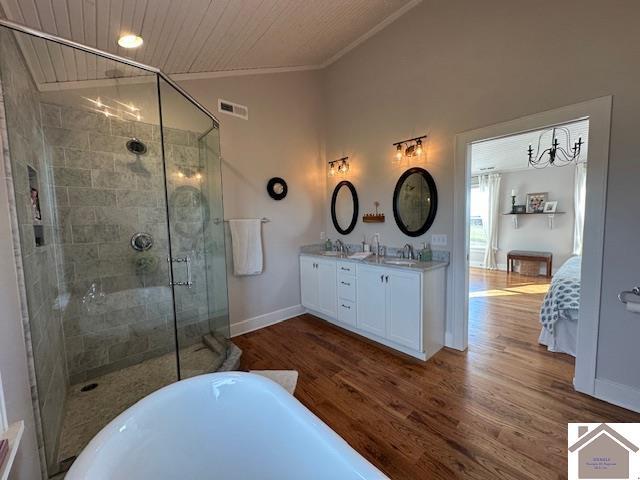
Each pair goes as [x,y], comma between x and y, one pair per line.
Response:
[618,394]
[261,321]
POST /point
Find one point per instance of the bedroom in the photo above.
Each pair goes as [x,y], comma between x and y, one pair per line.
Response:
[526,219]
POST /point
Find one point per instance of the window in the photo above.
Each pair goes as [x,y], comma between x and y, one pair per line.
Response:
[479,210]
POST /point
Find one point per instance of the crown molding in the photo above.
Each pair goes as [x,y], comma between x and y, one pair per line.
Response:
[179,77]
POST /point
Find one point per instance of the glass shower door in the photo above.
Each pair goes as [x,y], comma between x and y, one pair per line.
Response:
[196,233]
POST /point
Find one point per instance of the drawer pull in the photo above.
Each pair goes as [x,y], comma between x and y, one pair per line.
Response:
[346,306]
[382,278]
[345,269]
[345,283]
[386,278]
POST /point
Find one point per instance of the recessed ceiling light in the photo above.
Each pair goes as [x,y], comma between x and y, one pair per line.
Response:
[130,41]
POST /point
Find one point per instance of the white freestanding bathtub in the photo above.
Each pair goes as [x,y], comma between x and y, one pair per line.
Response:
[226,426]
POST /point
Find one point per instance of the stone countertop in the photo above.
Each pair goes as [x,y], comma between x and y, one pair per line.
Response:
[380,261]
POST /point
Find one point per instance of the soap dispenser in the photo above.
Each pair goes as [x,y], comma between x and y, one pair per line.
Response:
[425,254]
[328,246]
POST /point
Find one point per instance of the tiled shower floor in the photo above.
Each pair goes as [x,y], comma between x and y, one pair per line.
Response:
[88,412]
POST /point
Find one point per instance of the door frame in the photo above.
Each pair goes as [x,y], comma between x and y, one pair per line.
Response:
[598,111]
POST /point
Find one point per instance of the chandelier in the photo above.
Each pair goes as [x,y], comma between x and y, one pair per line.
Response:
[557,154]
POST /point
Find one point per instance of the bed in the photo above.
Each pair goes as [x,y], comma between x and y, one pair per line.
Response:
[560,309]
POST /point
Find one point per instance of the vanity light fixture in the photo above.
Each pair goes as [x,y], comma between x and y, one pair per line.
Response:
[411,147]
[340,166]
[130,41]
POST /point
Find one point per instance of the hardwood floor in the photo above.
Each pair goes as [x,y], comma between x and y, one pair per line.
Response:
[498,410]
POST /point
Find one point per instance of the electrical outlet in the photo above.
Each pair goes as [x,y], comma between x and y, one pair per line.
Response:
[322,235]
[439,240]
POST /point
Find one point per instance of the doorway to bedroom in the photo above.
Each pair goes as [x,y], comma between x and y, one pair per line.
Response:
[525,221]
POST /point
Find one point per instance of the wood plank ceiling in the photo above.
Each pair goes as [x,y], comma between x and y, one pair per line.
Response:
[193,36]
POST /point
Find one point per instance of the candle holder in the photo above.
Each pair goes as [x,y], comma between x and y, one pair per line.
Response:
[513,204]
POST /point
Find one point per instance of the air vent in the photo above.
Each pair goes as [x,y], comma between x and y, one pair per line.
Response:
[234,109]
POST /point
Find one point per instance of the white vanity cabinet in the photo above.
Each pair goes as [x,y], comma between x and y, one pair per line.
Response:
[398,307]
[318,285]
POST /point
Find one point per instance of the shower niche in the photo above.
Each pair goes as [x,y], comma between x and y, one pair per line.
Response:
[34,203]
[115,181]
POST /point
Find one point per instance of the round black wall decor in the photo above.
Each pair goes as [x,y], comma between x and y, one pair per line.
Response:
[277,188]
[354,206]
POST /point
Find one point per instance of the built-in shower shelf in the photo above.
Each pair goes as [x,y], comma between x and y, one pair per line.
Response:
[14,435]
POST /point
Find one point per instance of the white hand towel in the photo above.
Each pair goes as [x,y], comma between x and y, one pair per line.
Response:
[246,243]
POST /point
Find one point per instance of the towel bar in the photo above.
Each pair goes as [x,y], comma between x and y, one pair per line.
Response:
[216,221]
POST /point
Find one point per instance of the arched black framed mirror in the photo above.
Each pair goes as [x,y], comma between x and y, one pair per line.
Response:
[415,202]
[344,207]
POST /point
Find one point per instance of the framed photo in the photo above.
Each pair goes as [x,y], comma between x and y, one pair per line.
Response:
[536,202]
[520,209]
[550,207]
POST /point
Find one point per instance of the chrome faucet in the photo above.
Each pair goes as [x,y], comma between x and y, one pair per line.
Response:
[407,252]
[340,246]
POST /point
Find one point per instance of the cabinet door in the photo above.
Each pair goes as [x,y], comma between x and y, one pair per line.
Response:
[327,293]
[371,300]
[404,308]
[309,282]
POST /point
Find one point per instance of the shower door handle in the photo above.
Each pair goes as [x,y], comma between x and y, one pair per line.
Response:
[186,260]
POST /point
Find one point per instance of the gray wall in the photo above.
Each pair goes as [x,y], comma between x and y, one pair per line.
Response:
[533,232]
[38,262]
[448,67]
[283,137]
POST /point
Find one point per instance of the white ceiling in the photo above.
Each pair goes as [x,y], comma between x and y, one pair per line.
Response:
[194,36]
[510,153]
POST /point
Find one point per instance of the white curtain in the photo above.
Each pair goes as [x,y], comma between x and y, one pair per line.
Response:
[490,185]
[579,204]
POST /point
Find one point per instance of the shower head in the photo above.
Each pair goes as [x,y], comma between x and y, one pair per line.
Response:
[137,147]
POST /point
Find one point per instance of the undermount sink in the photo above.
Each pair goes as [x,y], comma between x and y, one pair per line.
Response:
[401,261]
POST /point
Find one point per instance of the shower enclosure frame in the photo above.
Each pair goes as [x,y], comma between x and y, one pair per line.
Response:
[110,56]
[159,74]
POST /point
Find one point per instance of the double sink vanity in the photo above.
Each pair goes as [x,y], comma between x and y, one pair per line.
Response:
[397,302]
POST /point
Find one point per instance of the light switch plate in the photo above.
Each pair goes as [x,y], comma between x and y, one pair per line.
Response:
[439,240]
[322,235]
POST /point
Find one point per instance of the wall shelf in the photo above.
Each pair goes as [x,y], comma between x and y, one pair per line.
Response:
[549,217]
[14,435]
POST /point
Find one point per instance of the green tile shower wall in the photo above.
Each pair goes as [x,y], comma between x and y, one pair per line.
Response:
[105,196]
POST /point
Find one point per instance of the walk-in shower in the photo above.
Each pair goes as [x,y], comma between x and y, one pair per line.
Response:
[116,179]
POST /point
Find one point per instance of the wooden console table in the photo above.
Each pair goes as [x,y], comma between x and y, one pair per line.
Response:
[528,256]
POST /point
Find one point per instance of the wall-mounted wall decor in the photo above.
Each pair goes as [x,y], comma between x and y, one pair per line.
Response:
[344,207]
[374,217]
[277,188]
[415,201]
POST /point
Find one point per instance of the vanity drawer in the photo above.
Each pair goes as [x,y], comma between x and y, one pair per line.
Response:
[347,312]
[346,287]
[347,268]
